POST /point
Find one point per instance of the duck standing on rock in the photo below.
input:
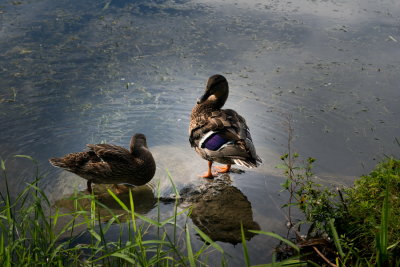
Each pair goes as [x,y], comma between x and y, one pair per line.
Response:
[111,164]
[220,135]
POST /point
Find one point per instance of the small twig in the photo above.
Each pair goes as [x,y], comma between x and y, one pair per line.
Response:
[290,166]
[323,257]
[298,235]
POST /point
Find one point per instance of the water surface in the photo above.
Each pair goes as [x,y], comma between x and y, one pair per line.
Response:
[78,72]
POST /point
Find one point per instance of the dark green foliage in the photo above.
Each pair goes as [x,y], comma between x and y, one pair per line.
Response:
[365,202]
[362,221]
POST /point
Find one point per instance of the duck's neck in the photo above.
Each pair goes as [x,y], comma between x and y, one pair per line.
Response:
[207,107]
[136,146]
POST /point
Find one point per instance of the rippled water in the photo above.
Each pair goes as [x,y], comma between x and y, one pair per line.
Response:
[78,72]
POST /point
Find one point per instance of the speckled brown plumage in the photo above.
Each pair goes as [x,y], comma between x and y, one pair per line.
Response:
[208,119]
[111,164]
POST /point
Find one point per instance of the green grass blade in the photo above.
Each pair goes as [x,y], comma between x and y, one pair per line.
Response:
[244,246]
[122,204]
[173,217]
[126,248]
[173,185]
[132,210]
[56,216]
[382,238]
[284,240]
[394,245]
[124,257]
[284,263]
[208,240]
[36,189]
[177,196]
[151,221]
[2,246]
[189,248]
[94,234]
[335,237]
[24,156]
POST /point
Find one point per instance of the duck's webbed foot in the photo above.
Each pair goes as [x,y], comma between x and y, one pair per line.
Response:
[209,174]
[223,169]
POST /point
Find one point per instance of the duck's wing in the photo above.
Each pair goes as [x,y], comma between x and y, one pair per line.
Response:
[227,122]
[245,140]
[203,125]
[74,161]
[110,153]
[225,134]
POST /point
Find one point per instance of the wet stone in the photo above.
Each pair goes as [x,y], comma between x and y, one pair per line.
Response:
[219,208]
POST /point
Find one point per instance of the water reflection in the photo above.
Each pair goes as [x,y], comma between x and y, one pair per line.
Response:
[143,197]
[219,209]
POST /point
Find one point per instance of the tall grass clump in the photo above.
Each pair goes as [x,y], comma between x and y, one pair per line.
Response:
[344,226]
[32,232]
[373,213]
[351,226]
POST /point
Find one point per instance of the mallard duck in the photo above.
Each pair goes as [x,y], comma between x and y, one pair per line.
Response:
[111,164]
[220,135]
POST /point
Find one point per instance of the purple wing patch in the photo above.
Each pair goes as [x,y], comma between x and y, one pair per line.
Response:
[214,142]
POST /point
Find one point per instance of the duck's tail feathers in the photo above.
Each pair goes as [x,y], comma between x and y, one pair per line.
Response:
[258,160]
[58,162]
[253,163]
[244,163]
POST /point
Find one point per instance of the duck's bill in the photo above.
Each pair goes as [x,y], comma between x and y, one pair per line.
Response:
[203,98]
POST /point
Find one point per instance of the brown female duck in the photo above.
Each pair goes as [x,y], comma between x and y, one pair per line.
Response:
[111,164]
[220,135]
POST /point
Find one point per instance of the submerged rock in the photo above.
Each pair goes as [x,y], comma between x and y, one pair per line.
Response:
[219,209]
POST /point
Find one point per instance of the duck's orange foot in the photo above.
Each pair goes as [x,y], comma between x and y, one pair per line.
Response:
[208,175]
[223,169]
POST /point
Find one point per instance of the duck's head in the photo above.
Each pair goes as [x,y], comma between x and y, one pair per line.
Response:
[137,141]
[216,92]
